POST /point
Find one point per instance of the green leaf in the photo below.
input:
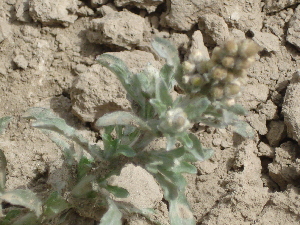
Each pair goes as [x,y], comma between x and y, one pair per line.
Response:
[180,212]
[195,107]
[47,120]
[119,192]
[119,68]
[10,216]
[3,123]
[197,151]
[84,186]
[244,129]
[184,167]
[3,164]
[170,189]
[166,50]
[162,93]
[29,218]
[54,205]
[25,198]
[113,216]
[237,109]
[159,106]
[121,118]
[186,140]
[125,150]
[167,74]
[84,166]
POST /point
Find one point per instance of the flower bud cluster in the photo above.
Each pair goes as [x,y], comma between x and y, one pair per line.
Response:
[224,73]
[176,121]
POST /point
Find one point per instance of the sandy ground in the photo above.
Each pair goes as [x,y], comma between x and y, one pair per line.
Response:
[48,50]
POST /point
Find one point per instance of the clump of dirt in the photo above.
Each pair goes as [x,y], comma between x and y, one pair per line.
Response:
[48,51]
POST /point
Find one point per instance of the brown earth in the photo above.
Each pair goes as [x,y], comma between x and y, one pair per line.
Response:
[48,50]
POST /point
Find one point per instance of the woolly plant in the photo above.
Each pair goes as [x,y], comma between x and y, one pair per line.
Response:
[208,89]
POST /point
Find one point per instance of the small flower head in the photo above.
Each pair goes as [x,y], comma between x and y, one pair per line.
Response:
[188,67]
[248,48]
[218,73]
[176,121]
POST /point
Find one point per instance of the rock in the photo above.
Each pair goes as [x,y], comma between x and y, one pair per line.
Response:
[149,5]
[22,9]
[258,122]
[180,41]
[276,6]
[267,41]
[183,15]
[5,30]
[97,91]
[197,43]
[214,28]
[107,9]
[277,132]
[265,150]
[293,32]
[279,203]
[285,169]
[53,12]
[124,29]
[143,189]
[21,62]
[269,110]
[291,108]
[97,3]
[254,94]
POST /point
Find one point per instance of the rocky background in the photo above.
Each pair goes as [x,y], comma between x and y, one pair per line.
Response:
[48,50]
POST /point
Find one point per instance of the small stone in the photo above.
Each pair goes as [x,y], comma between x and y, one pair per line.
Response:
[53,12]
[265,150]
[149,5]
[293,32]
[124,29]
[276,6]
[97,3]
[269,110]
[214,27]
[197,43]
[21,62]
[267,41]
[277,132]
[258,122]
[5,30]
[290,111]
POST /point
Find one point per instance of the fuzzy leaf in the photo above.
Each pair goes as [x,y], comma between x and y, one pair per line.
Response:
[47,120]
[125,150]
[121,118]
[54,205]
[83,187]
[10,216]
[119,68]
[159,107]
[119,192]
[84,166]
[3,164]
[167,74]
[25,198]
[162,93]
[195,107]
[166,50]
[185,167]
[197,151]
[237,109]
[180,212]
[244,129]
[3,123]
[113,216]
[29,218]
